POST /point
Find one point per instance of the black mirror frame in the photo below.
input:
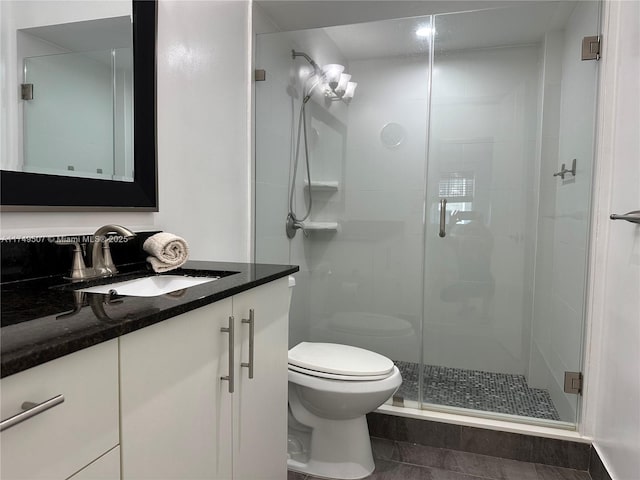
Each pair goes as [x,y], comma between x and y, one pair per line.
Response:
[21,191]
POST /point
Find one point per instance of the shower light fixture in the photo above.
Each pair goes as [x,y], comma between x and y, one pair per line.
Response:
[348,93]
[332,72]
[342,83]
[343,91]
[426,31]
[332,79]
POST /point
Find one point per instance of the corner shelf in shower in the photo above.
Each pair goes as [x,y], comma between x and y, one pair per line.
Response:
[324,185]
[320,227]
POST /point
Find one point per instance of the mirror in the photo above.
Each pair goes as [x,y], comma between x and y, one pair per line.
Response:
[77,99]
[83,133]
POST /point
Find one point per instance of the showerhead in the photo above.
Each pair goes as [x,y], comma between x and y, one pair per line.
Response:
[315,66]
[314,78]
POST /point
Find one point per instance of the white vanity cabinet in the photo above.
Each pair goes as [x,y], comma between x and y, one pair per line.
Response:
[260,403]
[64,439]
[179,419]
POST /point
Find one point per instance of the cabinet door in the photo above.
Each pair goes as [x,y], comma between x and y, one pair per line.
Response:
[107,467]
[175,408]
[260,403]
[60,441]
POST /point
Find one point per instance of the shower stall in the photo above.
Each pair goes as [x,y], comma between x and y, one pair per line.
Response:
[448,198]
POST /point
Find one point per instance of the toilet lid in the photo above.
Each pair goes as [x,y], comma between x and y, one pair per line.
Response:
[339,359]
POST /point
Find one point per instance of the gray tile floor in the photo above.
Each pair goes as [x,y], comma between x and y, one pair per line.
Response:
[475,389]
[407,461]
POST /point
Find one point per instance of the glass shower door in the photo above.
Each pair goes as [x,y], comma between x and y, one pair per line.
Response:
[506,239]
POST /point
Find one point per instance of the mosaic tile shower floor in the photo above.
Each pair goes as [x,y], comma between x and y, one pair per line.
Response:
[487,391]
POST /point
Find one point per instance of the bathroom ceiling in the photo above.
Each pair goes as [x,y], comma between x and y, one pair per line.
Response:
[291,15]
[515,23]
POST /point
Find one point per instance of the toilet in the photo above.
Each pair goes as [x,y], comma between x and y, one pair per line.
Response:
[331,389]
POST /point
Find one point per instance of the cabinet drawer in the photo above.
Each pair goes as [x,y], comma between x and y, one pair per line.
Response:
[60,441]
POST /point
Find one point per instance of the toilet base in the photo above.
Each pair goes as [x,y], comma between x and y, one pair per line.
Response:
[338,449]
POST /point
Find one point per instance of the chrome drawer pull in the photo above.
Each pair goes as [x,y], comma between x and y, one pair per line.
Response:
[252,323]
[230,377]
[31,410]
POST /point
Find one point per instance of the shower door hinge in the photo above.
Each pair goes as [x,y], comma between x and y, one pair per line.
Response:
[591,48]
[573,382]
[260,75]
[26,91]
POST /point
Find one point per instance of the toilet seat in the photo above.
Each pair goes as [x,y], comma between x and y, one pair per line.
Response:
[334,376]
[339,362]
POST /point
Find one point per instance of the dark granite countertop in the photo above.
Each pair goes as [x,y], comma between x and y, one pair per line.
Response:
[36,330]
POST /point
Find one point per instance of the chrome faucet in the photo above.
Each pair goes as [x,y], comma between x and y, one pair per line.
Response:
[101,261]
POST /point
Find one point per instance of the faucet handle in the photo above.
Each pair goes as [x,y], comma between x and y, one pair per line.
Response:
[106,255]
[79,270]
[101,260]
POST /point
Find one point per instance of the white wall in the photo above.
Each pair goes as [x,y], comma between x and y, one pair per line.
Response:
[612,398]
[202,107]
[203,77]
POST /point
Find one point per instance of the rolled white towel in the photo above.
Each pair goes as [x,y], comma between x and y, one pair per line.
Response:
[168,251]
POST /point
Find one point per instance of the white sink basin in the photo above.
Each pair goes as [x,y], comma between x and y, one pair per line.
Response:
[150,286]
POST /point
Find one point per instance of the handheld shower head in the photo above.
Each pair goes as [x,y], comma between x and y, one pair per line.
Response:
[314,80]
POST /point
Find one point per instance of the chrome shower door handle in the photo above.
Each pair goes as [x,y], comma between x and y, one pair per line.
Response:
[251,322]
[31,410]
[443,216]
[231,377]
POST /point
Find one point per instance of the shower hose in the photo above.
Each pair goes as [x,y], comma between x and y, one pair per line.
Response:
[302,134]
